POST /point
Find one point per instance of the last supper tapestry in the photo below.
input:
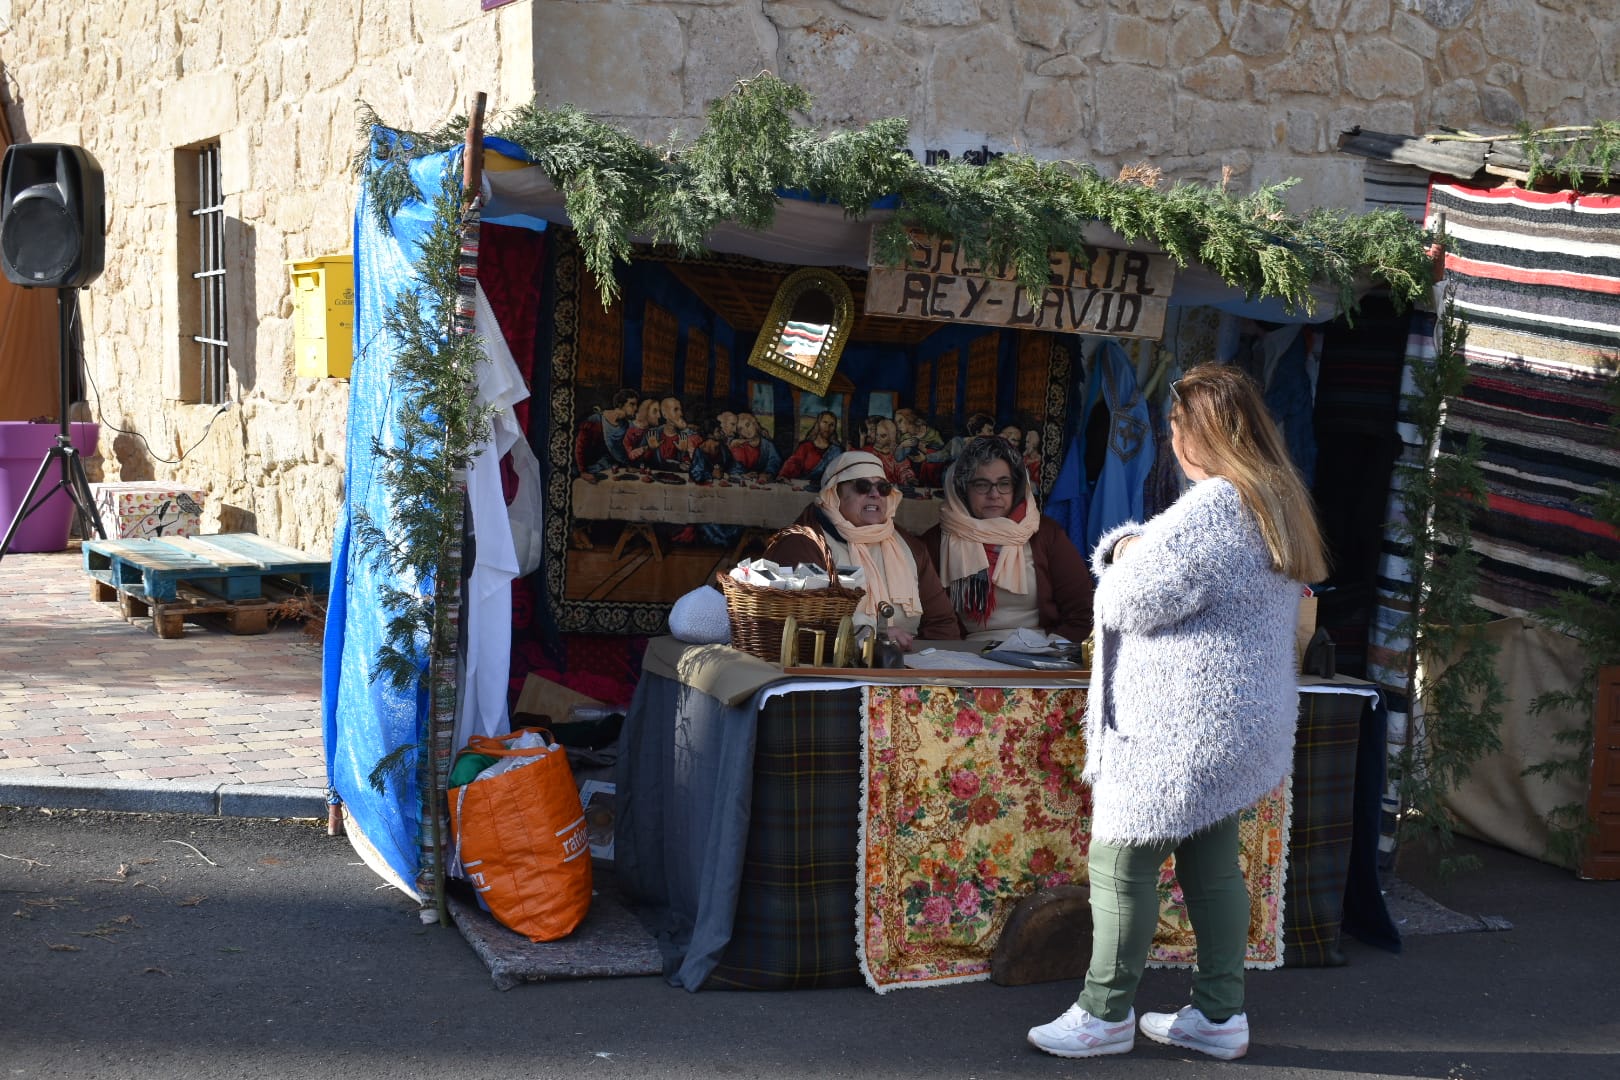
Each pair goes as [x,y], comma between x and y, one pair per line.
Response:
[669,458]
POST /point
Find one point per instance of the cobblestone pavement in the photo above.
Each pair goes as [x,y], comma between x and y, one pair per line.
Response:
[86,695]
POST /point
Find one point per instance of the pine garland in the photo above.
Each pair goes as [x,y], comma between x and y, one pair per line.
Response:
[1010,212]
[1572,154]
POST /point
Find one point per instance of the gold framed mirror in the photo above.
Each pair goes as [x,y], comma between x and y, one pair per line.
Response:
[806,330]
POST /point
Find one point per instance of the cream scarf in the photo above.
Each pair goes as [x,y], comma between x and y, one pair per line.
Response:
[963,538]
[880,553]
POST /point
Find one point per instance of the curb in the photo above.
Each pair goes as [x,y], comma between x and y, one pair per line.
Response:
[166,797]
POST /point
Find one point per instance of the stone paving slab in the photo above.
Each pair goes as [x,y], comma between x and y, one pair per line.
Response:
[90,700]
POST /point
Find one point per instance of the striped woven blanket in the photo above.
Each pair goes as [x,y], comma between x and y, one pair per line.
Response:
[1536,275]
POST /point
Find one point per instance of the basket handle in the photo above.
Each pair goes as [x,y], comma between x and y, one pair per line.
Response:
[820,541]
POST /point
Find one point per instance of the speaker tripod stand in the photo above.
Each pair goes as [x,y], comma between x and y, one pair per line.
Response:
[73,480]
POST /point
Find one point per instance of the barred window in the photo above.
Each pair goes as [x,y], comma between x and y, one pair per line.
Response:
[205,344]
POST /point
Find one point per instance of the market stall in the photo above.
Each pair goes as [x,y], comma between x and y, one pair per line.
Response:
[662,448]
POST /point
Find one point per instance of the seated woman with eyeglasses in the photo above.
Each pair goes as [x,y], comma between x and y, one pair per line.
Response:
[855,513]
[1004,564]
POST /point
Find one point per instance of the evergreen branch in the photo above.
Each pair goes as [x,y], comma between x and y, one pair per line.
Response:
[1012,212]
[393,767]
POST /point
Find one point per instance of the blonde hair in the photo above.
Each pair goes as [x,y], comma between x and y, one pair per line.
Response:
[1225,427]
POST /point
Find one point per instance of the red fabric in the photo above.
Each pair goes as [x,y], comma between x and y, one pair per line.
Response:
[603,666]
[804,460]
[511,266]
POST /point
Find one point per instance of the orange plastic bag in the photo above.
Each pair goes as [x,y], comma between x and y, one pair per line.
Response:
[521,838]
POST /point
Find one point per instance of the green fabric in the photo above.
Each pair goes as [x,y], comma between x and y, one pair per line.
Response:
[1125,912]
[468,766]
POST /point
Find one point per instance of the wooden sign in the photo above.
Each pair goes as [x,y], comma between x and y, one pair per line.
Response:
[1120,293]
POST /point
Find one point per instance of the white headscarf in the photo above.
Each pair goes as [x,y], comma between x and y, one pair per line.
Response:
[878,549]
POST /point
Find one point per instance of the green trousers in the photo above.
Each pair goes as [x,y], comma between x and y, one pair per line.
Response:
[1125,912]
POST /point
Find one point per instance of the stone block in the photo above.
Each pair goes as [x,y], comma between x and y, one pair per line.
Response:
[1131,40]
[1364,16]
[198,108]
[609,59]
[976,83]
[1304,131]
[833,61]
[1060,67]
[1570,51]
[931,13]
[1056,114]
[1415,34]
[1040,22]
[1047,938]
[1447,14]
[1510,30]
[1543,94]
[1325,13]
[1376,67]
[872,9]
[1133,110]
[1215,126]
[721,48]
[332,34]
[1262,30]
[1192,37]
[1223,78]
[1462,55]
[1454,104]
[1312,67]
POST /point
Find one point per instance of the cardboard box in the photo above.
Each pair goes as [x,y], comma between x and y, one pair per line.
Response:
[148,509]
[543,698]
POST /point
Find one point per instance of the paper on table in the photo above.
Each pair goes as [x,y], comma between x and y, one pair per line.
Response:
[952,660]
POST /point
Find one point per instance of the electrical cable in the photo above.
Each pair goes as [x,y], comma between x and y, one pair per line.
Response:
[85,367]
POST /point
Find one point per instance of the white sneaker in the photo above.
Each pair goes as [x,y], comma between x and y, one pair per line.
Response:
[1078,1034]
[1193,1030]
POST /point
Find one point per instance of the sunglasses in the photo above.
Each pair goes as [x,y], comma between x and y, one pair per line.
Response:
[1175,392]
[864,486]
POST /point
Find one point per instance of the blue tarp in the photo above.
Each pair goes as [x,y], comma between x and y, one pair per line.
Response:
[365,720]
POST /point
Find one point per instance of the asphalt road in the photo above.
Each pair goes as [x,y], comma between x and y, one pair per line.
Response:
[155,946]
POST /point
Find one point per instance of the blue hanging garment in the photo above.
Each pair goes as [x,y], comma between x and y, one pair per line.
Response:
[1117,493]
[1087,507]
[1290,401]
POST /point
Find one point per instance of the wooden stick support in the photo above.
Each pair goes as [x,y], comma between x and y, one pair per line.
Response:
[472,159]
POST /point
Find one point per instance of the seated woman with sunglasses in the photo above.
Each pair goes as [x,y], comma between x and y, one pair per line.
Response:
[855,513]
[1004,564]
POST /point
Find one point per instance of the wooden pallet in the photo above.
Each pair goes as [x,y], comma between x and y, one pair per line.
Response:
[238,575]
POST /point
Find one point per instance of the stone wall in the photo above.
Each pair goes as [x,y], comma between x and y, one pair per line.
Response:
[1253,90]
[277,84]
[1257,90]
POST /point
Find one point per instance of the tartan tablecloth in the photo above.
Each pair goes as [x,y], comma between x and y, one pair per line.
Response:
[737,833]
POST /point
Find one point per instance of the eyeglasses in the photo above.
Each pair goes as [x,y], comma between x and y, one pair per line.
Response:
[1004,486]
[864,486]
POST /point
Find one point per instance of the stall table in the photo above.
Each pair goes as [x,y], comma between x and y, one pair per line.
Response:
[739,798]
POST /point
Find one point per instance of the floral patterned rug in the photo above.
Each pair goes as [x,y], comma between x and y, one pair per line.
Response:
[971,801]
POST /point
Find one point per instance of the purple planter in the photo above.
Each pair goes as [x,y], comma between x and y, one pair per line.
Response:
[22,447]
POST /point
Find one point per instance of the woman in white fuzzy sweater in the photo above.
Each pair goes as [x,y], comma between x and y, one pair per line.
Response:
[1192,712]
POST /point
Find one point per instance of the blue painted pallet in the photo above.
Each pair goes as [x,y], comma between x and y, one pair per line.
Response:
[231,566]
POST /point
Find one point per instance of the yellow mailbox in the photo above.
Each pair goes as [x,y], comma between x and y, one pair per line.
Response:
[323,316]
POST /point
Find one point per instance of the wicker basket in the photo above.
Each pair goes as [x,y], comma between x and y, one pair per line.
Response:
[757,612]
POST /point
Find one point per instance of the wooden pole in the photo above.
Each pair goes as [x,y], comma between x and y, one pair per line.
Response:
[472,160]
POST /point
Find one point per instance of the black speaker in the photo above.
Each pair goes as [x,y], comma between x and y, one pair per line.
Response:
[52,216]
